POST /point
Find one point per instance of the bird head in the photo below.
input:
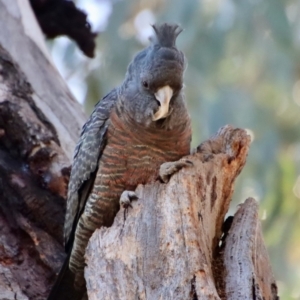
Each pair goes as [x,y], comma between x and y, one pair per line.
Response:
[154,79]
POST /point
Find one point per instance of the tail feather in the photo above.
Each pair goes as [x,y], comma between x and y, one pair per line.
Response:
[63,288]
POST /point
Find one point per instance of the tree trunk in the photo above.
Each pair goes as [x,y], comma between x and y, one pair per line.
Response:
[39,126]
[173,242]
[169,246]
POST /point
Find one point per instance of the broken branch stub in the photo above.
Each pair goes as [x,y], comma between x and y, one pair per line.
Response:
[163,247]
[246,262]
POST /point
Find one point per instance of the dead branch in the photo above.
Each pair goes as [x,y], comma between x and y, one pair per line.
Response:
[163,247]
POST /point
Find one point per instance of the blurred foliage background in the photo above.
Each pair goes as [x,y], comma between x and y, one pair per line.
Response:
[243,69]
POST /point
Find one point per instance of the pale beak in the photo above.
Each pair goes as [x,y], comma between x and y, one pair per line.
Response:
[163,96]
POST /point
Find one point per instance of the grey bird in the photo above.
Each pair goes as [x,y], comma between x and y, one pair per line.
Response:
[132,131]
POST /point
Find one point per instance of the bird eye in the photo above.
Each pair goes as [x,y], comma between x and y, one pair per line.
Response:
[145,84]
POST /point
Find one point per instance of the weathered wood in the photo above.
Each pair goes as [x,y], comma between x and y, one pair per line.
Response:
[21,37]
[34,173]
[39,126]
[162,247]
[247,270]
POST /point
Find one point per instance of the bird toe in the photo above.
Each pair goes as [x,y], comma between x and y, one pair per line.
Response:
[127,197]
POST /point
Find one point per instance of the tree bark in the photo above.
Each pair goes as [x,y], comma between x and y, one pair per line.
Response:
[173,242]
[39,127]
[245,258]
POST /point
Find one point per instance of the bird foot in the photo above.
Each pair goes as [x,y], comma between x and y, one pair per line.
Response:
[169,168]
[127,197]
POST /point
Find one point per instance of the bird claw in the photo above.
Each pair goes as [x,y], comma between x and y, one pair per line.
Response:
[127,197]
[169,168]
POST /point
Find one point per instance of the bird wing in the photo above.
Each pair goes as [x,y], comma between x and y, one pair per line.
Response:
[85,163]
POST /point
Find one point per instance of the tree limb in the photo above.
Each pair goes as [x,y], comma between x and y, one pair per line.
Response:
[246,262]
[23,40]
[163,247]
[40,123]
